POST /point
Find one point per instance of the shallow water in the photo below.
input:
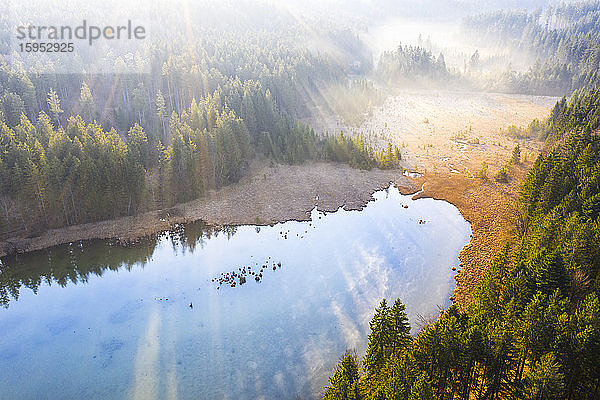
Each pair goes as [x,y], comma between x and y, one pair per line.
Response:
[95,320]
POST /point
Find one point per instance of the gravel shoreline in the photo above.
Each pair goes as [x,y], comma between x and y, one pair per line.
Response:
[278,193]
[266,195]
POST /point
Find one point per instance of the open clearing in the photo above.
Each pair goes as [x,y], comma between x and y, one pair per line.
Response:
[449,131]
[446,136]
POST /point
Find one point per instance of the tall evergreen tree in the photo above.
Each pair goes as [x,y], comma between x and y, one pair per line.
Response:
[54,105]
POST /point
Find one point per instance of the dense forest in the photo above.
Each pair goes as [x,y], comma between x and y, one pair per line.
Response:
[562,42]
[190,112]
[410,65]
[60,176]
[533,328]
[84,147]
[551,50]
[219,88]
[580,113]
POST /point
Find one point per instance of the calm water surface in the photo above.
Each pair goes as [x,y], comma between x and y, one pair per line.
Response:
[98,321]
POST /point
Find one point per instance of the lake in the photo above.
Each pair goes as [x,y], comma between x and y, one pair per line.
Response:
[167,318]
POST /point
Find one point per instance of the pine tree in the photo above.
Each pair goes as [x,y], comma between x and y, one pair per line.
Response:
[399,326]
[86,101]
[161,111]
[54,105]
[138,145]
[13,107]
[421,388]
[378,339]
[516,156]
[544,381]
[344,382]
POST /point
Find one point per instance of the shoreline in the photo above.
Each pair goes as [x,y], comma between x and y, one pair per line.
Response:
[267,195]
[488,206]
[280,193]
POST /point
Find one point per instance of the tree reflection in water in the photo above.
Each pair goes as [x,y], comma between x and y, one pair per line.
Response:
[76,262]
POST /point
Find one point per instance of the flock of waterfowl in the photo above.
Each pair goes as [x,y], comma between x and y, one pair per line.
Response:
[284,234]
[239,277]
[242,274]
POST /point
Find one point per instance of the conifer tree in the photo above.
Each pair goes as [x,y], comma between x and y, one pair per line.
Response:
[344,382]
[86,101]
[378,339]
[54,105]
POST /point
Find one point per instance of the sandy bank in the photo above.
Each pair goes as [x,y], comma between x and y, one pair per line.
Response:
[266,195]
[270,194]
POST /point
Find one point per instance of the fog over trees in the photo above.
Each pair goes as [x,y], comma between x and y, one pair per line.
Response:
[218,86]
